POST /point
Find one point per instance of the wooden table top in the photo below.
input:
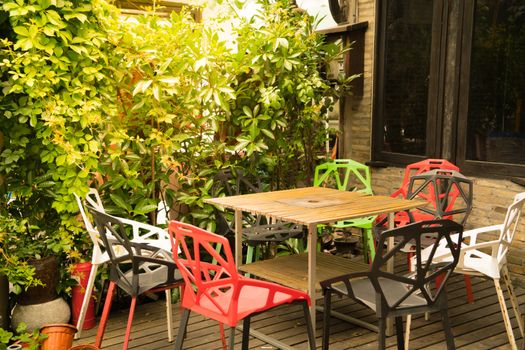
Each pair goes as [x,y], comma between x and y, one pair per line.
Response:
[315,205]
[292,270]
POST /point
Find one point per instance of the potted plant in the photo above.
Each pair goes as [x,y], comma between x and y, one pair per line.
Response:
[33,245]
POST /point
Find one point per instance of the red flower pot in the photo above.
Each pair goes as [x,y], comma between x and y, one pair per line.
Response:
[82,272]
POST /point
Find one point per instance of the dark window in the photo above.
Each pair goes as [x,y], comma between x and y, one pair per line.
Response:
[406,73]
[496,115]
[450,83]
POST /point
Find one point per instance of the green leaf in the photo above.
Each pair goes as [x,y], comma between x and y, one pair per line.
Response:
[143,208]
[247,111]
[121,203]
[21,31]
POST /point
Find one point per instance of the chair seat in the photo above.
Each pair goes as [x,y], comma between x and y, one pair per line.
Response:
[364,291]
[251,299]
[153,278]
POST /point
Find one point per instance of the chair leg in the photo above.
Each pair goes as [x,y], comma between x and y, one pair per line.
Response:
[381,341]
[468,287]
[399,333]
[505,314]
[87,298]
[407,331]
[249,254]
[105,314]
[169,314]
[246,333]
[130,322]
[513,299]
[449,337]
[182,329]
[309,326]
[326,319]
[371,245]
[231,339]
[409,261]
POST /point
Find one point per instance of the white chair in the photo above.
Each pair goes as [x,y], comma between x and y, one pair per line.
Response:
[473,261]
[141,233]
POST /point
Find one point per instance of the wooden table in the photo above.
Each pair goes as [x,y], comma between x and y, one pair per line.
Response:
[310,206]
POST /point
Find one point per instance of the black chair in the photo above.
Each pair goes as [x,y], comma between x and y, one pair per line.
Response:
[256,228]
[449,192]
[395,294]
[134,267]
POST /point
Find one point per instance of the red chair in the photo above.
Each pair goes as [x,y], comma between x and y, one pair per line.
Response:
[402,218]
[218,291]
[421,167]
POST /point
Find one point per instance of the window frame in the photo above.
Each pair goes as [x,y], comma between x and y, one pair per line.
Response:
[448,92]
[488,169]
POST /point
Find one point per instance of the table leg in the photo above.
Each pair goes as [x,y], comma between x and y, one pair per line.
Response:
[312,254]
[390,268]
[238,238]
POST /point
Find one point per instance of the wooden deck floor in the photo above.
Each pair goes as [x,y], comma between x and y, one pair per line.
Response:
[475,326]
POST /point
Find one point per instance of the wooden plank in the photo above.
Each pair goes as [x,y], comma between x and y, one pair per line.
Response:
[475,326]
[292,270]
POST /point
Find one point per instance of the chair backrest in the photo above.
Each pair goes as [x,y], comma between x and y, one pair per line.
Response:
[448,192]
[510,225]
[204,282]
[345,175]
[425,272]
[93,198]
[135,267]
[419,168]
[234,182]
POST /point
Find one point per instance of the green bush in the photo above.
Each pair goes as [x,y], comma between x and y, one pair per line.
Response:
[151,109]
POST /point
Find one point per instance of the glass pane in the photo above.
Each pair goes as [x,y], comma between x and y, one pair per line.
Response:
[407,62]
[496,119]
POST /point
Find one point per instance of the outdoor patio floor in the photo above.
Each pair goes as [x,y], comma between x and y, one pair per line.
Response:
[475,326]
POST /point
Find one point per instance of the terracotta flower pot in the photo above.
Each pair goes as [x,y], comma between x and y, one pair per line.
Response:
[84,347]
[60,336]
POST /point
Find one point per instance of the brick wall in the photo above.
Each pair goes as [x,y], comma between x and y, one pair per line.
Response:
[357,120]
[491,196]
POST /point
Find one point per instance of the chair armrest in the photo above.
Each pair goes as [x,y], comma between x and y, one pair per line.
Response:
[446,254]
[473,234]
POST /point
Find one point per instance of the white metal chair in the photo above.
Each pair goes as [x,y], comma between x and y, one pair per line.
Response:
[474,261]
[141,233]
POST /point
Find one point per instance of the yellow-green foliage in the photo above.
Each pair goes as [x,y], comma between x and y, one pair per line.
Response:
[153,107]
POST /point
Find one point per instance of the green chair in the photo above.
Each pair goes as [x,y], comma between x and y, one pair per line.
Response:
[349,175]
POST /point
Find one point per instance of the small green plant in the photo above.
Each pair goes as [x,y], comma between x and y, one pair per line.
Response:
[31,340]
[5,338]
